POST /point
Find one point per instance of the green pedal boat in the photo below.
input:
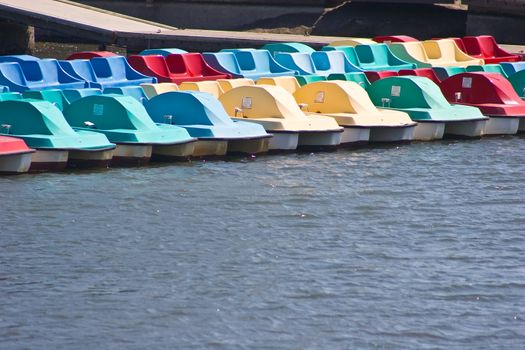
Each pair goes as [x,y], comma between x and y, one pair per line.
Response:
[43,127]
[422,99]
[126,123]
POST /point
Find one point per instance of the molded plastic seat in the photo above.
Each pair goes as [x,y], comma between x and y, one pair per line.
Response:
[421,72]
[512,67]
[379,57]
[373,76]
[445,72]
[228,84]
[152,90]
[488,68]
[163,52]
[86,55]
[115,72]
[329,62]
[251,64]
[307,79]
[359,78]
[152,65]
[12,76]
[300,62]
[349,51]
[275,48]
[486,48]
[290,84]
[48,74]
[193,67]
[40,74]
[437,53]
[212,87]
[490,92]
[260,63]
[134,91]
[394,39]
[18,58]
[517,81]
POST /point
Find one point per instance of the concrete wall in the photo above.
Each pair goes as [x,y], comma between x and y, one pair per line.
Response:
[228,15]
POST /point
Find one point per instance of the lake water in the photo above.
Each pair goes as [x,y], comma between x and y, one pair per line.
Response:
[420,246]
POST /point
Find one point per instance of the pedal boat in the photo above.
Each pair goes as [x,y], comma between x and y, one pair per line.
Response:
[493,95]
[125,122]
[348,103]
[203,116]
[15,156]
[43,127]
[423,101]
[276,110]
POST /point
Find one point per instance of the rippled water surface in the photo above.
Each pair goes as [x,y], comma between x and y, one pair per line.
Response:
[413,247]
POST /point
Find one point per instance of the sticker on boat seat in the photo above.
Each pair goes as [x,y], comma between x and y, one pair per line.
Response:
[395,91]
[247,102]
[319,97]
[98,109]
[467,82]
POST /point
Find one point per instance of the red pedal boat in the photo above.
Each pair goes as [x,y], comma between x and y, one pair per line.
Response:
[15,156]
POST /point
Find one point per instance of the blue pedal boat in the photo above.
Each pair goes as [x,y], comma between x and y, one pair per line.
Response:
[203,116]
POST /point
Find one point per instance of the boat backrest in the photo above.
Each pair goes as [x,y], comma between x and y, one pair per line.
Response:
[298,61]
[80,69]
[12,72]
[72,95]
[153,64]
[349,51]
[223,61]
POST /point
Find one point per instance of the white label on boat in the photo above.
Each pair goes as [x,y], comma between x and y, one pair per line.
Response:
[319,97]
[98,109]
[396,90]
[246,102]
[466,83]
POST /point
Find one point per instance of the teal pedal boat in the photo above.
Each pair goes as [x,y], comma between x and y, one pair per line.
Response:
[422,99]
[203,116]
[43,127]
[126,123]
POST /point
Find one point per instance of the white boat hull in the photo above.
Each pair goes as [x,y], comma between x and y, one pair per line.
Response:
[314,140]
[249,146]
[466,129]
[283,141]
[501,126]
[174,152]
[131,154]
[90,158]
[428,131]
[521,127]
[206,148]
[354,136]
[49,160]
[15,163]
[392,134]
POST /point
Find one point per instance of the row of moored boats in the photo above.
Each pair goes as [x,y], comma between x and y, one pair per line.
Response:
[54,127]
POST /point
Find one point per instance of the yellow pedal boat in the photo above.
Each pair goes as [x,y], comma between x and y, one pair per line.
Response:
[349,104]
[275,108]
